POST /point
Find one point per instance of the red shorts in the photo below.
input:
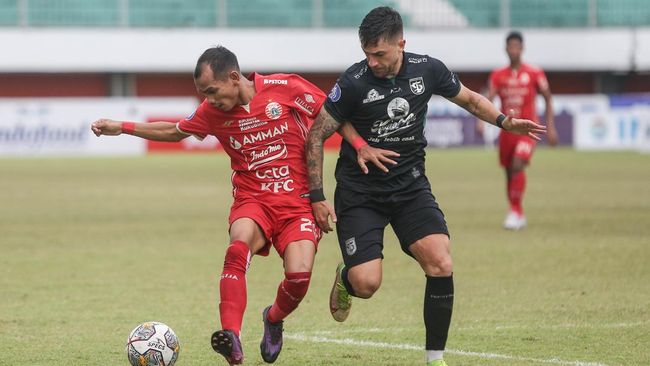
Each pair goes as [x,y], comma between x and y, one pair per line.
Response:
[281,225]
[511,146]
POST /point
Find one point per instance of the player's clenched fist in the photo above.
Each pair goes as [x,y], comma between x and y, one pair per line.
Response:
[106,127]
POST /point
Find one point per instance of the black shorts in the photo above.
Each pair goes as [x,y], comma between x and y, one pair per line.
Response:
[362,218]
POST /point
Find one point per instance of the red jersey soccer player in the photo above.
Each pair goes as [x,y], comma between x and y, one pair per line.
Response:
[262,123]
[517,86]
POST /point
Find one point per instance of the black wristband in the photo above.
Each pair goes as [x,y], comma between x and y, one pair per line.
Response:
[316,195]
[500,119]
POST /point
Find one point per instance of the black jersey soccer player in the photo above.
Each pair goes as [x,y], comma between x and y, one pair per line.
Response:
[385,98]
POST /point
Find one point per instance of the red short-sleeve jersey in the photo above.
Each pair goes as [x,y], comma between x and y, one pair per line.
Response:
[266,138]
[517,89]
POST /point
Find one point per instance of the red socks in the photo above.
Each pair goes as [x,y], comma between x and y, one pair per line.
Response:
[290,292]
[233,286]
[516,188]
[233,289]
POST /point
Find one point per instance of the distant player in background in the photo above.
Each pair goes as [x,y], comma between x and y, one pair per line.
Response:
[517,86]
[262,123]
[384,98]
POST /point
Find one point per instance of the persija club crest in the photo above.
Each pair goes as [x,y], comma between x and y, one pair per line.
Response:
[273,110]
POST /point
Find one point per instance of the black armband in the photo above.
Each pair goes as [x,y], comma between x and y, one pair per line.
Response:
[500,119]
[316,195]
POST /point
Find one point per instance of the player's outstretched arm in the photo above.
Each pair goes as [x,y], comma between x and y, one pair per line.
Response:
[482,108]
[157,131]
[365,152]
[480,124]
[551,132]
[323,127]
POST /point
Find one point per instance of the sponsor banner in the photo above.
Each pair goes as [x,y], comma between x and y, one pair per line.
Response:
[617,122]
[620,128]
[61,126]
[589,122]
[449,125]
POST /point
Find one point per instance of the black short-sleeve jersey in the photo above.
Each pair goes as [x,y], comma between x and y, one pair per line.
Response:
[389,114]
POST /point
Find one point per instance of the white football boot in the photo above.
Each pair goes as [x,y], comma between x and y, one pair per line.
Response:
[514,221]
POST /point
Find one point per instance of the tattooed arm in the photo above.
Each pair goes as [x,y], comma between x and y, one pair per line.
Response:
[323,127]
[482,108]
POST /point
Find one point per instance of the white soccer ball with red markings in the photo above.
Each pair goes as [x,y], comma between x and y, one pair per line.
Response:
[152,344]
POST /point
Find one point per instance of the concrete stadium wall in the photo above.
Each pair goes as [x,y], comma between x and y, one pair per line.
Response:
[308,50]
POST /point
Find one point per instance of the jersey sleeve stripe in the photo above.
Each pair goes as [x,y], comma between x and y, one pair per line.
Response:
[178,127]
[304,130]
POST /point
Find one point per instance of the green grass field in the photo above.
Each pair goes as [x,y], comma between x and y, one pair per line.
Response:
[89,248]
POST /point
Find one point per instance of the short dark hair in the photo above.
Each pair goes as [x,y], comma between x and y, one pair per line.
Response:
[220,60]
[515,35]
[380,23]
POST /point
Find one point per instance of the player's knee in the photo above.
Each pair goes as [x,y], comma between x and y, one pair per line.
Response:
[518,165]
[366,287]
[445,267]
[237,257]
[296,284]
[439,266]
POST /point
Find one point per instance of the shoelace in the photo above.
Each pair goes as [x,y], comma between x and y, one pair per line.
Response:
[343,299]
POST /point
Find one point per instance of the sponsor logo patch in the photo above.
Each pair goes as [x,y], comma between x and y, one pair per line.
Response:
[399,119]
[373,95]
[275,82]
[398,108]
[304,105]
[248,123]
[272,132]
[362,71]
[234,143]
[335,93]
[275,179]
[417,60]
[261,155]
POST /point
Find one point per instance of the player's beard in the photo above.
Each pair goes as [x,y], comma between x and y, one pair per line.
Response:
[386,72]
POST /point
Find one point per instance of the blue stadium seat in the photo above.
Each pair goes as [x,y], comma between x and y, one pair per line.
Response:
[480,13]
[8,12]
[349,13]
[87,13]
[304,14]
[634,13]
[549,13]
[270,13]
[172,13]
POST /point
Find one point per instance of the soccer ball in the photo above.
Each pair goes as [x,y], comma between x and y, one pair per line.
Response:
[152,344]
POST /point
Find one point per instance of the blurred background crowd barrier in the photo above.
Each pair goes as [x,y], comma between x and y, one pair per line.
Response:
[66,63]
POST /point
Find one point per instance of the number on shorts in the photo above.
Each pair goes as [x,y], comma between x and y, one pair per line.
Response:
[307,225]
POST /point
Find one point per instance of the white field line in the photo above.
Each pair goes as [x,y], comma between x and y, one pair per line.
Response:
[469,327]
[561,326]
[361,343]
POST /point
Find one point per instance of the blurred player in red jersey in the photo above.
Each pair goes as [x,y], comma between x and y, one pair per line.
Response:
[262,123]
[517,86]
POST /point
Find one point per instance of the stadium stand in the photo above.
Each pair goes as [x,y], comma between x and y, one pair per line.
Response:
[628,13]
[8,13]
[172,13]
[71,13]
[322,13]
